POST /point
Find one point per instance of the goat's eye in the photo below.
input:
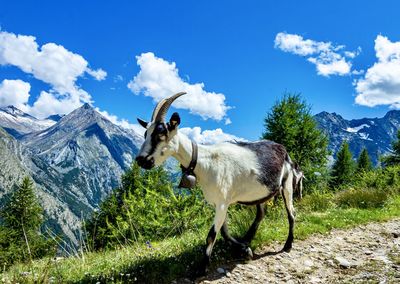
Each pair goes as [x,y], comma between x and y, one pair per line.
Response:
[160,128]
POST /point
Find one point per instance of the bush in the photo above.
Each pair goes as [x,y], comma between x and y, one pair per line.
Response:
[145,208]
[384,179]
[362,198]
[317,201]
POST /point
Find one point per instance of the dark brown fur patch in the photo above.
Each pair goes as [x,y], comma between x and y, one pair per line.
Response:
[271,157]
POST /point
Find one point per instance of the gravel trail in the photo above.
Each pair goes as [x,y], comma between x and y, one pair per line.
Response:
[364,254]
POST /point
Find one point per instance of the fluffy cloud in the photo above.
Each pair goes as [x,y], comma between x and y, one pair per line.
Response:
[327,58]
[98,74]
[209,136]
[49,103]
[381,83]
[159,79]
[52,64]
[14,92]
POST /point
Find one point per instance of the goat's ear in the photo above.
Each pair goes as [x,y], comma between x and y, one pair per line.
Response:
[174,121]
[142,122]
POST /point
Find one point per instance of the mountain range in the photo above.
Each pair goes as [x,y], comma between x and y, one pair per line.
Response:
[374,134]
[77,159]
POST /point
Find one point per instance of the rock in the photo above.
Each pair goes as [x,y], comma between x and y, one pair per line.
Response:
[330,262]
[308,263]
[395,234]
[343,262]
[315,280]
[220,270]
[368,252]
[228,274]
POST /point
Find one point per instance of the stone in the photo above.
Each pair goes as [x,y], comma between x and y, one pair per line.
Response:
[220,270]
[343,262]
[368,252]
[308,263]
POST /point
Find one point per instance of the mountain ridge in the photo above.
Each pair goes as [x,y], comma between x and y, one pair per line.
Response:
[375,134]
[75,163]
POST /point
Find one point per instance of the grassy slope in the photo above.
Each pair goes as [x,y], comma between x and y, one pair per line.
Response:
[176,257]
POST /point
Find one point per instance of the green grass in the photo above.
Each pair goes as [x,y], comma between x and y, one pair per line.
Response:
[177,257]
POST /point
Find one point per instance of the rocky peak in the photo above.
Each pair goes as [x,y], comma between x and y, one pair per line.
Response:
[16,112]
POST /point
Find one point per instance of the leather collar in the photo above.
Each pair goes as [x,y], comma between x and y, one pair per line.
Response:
[193,162]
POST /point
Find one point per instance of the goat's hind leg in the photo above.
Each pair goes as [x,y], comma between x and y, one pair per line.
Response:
[249,236]
[287,194]
[243,247]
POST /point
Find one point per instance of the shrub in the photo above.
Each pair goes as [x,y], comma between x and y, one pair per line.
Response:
[146,207]
[317,201]
[362,198]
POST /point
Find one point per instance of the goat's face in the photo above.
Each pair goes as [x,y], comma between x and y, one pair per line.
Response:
[160,142]
[160,139]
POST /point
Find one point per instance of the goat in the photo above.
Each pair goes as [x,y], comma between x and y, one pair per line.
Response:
[228,173]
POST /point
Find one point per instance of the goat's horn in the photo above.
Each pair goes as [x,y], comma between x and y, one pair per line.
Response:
[162,107]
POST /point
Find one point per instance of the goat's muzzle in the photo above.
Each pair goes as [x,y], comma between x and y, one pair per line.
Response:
[145,162]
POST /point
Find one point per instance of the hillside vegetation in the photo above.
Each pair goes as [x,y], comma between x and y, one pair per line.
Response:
[373,196]
[148,230]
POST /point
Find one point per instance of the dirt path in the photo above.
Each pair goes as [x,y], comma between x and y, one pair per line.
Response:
[367,254]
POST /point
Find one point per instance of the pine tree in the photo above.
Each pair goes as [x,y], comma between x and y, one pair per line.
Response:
[23,212]
[291,124]
[394,157]
[21,218]
[343,168]
[364,163]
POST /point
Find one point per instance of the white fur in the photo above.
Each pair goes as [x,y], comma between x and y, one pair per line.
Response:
[226,172]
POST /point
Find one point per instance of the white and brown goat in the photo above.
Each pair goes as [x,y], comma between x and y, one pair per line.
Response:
[228,173]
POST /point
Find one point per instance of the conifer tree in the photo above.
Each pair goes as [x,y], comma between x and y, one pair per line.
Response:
[394,157]
[364,162]
[343,168]
[291,124]
[21,218]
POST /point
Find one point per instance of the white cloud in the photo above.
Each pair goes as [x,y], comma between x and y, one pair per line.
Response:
[159,79]
[49,103]
[52,64]
[327,58]
[209,136]
[14,92]
[381,82]
[98,74]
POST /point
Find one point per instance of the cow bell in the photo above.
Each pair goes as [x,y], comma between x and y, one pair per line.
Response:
[187,181]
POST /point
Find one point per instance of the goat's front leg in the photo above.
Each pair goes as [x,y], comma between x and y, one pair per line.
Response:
[220,215]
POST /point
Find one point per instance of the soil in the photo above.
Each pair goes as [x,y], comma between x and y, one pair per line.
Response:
[364,254]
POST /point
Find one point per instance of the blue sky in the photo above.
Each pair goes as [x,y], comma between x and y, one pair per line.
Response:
[235,58]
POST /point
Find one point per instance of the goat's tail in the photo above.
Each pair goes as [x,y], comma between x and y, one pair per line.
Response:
[296,175]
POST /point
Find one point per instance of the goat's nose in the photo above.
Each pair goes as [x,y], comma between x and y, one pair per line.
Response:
[140,160]
[145,162]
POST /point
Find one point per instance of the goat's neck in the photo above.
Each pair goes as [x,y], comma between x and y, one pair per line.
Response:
[184,153]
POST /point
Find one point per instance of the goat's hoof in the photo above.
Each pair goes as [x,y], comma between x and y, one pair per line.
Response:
[249,253]
[200,272]
[287,248]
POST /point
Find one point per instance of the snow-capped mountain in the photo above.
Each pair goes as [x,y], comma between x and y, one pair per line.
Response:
[375,134]
[74,162]
[18,123]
